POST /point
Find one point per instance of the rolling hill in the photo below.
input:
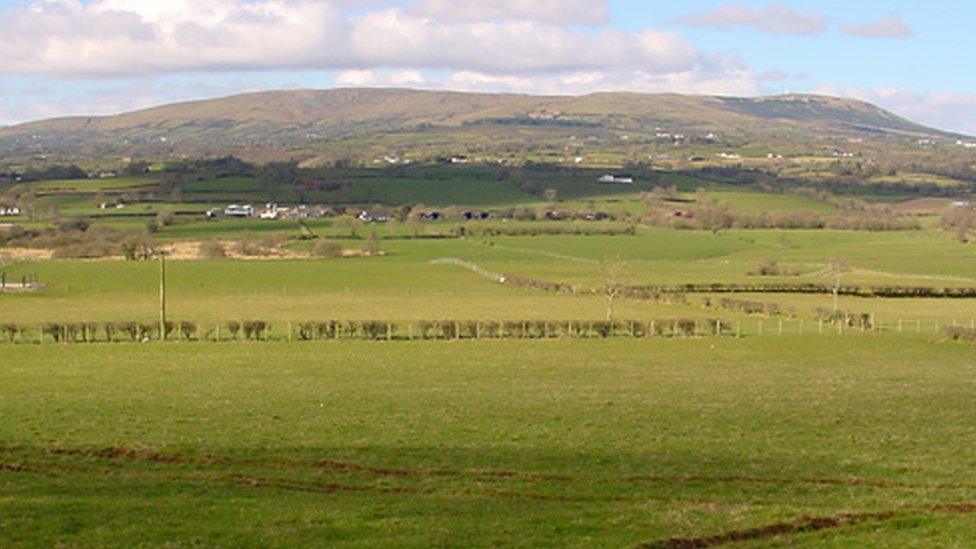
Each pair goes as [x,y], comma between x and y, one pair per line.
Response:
[303,123]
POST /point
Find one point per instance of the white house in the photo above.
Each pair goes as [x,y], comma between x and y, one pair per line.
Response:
[611,178]
[235,210]
[270,212]
[9,211]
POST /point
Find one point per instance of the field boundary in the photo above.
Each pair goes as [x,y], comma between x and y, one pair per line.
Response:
[367,330]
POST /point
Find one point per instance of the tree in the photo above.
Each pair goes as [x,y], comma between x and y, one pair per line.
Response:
[612,269]
[836,268]
[276,175]
[212,249]
[373,243]
[327,249]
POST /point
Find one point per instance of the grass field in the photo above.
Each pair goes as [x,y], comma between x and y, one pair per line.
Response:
[784,430]
[502,443]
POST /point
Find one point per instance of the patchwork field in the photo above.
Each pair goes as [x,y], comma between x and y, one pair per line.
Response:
[810,420]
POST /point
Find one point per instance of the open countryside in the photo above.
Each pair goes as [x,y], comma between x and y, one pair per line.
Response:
[558,316]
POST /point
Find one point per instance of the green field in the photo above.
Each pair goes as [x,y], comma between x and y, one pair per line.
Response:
[486,444]
[784,429]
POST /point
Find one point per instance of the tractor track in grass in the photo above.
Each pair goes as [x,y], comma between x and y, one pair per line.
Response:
[801,525]
[807,524]
[120,453]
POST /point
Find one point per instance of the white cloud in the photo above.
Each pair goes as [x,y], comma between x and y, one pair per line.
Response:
[505,45]
[372,78]
[145,37]
[558,12]
[774,19]
[889,27]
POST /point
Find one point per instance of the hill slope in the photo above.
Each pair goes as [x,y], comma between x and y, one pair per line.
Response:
[302,120]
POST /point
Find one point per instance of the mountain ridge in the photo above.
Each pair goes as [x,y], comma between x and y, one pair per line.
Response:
[299,118]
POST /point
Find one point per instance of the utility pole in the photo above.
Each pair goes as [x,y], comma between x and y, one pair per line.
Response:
[162,296]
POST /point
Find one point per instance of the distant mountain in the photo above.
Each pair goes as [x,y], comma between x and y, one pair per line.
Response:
[306,123]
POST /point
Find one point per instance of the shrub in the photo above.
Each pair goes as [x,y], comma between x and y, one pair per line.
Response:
[959,333]
[327,249]
[188,330]
[234,328]
[771,268]
[255,329]
[212,249]
[372,244]
[10,331]
[164,219]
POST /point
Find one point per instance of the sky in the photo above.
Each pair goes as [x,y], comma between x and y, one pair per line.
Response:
[69,57]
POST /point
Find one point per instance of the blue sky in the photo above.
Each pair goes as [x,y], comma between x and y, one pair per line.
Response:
[60,57]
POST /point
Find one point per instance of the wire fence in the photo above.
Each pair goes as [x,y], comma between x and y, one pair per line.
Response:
[454,330]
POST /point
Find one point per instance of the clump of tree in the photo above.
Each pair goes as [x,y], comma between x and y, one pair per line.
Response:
[961,222]
[76,238]
[327,249]
[770,267]
[70,171]
[372,245]
[254,246]
[212,249]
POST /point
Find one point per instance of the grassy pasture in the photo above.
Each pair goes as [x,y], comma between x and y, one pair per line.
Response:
[404,285]
[501,443]
[91,186]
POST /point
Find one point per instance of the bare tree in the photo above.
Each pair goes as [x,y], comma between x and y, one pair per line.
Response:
[836,268]
[612,269]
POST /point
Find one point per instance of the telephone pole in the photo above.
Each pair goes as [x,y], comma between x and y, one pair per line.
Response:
[162,296]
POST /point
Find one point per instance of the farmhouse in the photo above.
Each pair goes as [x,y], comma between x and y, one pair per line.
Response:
[612,178]
[374,216]
[9,211]
[235,210]
[431,216]
[270,212]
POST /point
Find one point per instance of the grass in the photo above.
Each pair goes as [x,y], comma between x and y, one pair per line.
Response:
[601,443]
[500,443]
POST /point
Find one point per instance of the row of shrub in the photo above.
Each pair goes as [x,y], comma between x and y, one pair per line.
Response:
[846,318]
[91,332]
[813,288]
[745,306]
[257,330]
[574,230]
[647,293]
[960,333]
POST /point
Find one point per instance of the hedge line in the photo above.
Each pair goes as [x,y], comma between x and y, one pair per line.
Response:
[259,330]
[812,288]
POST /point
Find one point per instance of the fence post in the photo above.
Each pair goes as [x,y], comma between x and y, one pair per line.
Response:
[820,326]
[918,326]
[899,325]
[781,326]
[760,327]
[389,331]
